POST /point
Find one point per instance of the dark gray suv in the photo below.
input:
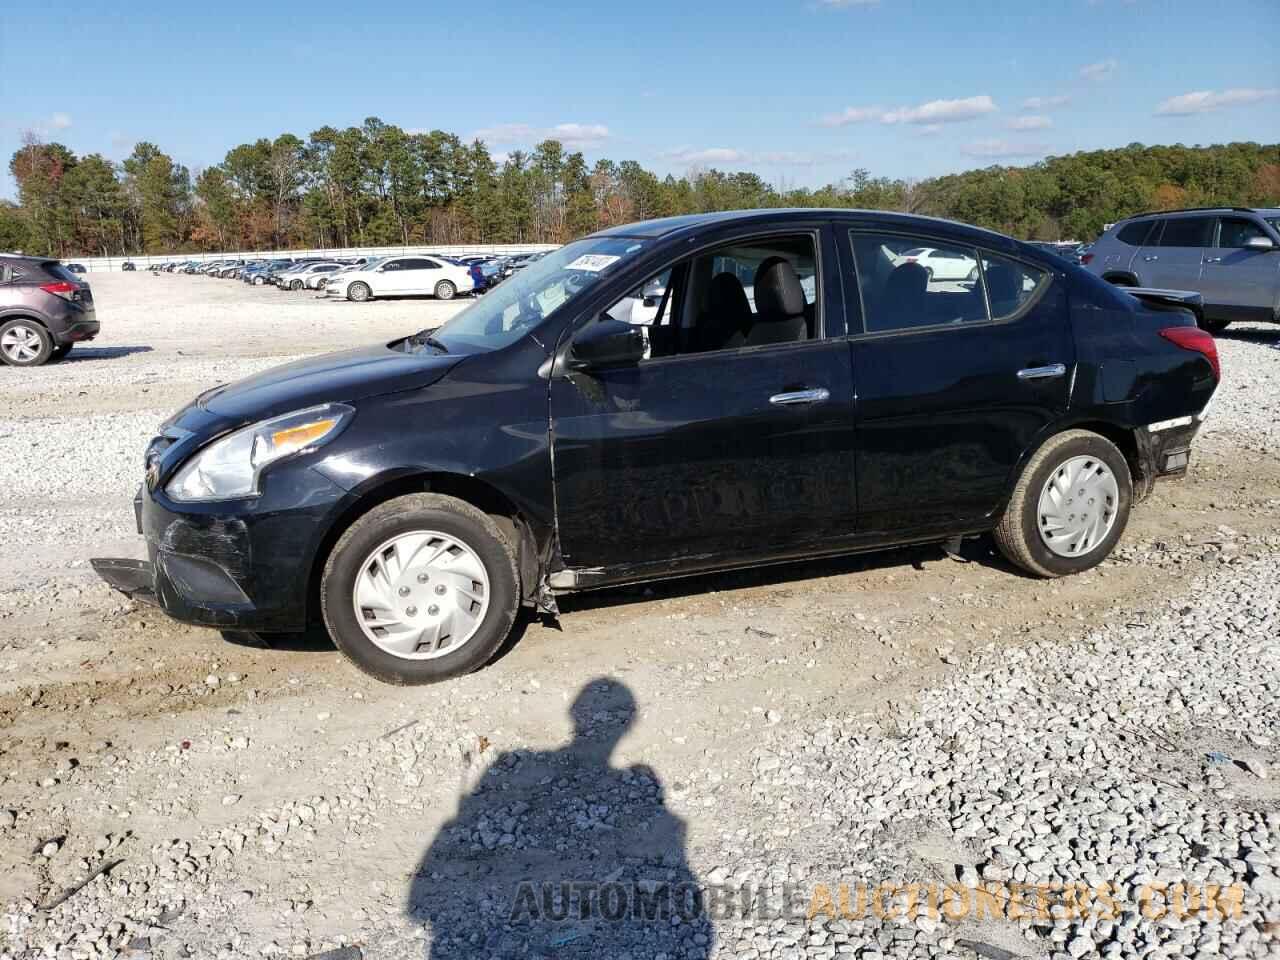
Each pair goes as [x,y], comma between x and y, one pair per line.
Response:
[1230,255]
[45,310]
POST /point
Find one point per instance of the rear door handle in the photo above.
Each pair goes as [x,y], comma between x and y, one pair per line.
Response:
[796,397]
[1149,259]
[1043,373]
[1212,259]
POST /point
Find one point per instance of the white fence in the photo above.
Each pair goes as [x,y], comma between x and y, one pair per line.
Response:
[112,264]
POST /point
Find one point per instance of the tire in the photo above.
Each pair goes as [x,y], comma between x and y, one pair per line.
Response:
[1019,533]
[60,351]
[25,343]
[295,285]
[972,275]
[423,521]
[258,281]
[359,292]
[928,272]
[1213,326]
[445,290]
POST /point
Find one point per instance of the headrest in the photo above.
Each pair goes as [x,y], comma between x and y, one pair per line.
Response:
[726,295]
[909,279]
[778,291]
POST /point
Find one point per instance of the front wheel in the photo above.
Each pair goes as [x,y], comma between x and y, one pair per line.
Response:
[420,589]
[295,285]
[445,290]
[25,343]
[258,281]
[1069,507]
[359,292]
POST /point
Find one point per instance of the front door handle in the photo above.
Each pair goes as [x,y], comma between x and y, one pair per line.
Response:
[1149,259]
[795,397]
[1043,373]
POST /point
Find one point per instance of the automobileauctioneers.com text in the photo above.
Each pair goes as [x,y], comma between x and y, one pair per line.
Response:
[565,900]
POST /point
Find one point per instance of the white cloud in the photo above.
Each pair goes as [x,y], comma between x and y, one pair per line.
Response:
[725,156]
[942,111]
[932,113]
[852,115]
[1033,121]
[60,121]
[1045,103]
[995,148]
[1098,71]
[1203,101]
[569,134]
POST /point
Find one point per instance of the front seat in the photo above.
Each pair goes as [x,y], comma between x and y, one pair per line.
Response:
[903,301]
[728,315]
[780,304]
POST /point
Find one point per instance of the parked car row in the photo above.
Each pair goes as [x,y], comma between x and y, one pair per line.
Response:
[365,278]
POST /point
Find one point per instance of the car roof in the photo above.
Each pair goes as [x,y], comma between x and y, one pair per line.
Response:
[694,223]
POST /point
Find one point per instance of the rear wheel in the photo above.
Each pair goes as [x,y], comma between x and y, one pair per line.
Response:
[359,292]
[25,343]
[445,290]
[295,285]
[1070,506]
[421,588]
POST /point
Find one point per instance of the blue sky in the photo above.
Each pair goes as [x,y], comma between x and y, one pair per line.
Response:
[800,91]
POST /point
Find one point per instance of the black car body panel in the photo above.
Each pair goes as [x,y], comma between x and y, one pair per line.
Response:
[664,469]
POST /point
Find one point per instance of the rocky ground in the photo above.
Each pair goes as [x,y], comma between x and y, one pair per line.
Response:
[812,747]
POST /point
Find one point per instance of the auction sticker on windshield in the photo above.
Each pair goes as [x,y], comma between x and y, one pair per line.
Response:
[593,262]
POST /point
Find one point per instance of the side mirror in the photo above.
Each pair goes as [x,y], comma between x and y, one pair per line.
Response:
[1259,243]
[606,343]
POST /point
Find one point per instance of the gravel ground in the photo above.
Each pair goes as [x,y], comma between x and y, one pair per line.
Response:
[791,742]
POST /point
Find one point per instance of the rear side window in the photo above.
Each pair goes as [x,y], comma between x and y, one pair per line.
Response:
[1237,232]
[54,269]
[901,290]
[1187,232]
[1010,284]
[1135,234]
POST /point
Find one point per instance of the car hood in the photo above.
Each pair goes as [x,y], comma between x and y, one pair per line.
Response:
[336,377]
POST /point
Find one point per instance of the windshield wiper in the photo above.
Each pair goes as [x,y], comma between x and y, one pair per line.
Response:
[425,338]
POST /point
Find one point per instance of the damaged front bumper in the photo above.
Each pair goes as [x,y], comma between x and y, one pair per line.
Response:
[243,565]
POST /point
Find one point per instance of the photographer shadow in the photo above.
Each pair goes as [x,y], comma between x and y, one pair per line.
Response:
[560,853]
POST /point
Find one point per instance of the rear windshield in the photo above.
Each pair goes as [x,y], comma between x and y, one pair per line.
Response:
[56,269]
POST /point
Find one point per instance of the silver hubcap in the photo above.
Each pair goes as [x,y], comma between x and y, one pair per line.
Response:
[1078,506]
[421,595]
[21,344]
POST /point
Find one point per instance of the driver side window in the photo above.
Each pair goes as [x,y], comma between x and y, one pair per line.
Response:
[749,293]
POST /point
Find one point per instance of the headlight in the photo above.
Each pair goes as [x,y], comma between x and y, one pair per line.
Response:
[229,468]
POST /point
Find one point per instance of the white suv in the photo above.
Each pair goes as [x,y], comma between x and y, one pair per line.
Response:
[402,276]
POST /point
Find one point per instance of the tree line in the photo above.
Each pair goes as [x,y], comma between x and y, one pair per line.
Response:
[377,184]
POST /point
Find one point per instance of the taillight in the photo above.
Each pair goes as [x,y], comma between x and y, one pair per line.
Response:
[1193,338]
[1086,258]
[63,289]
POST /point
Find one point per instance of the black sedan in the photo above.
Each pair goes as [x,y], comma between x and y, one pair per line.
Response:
[665,398]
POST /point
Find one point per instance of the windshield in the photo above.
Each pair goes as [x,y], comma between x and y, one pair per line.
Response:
[519,304]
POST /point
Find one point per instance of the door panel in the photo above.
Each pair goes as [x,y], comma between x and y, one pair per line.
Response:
[1172,258]
[943,415]
[686,460]
[1239,283]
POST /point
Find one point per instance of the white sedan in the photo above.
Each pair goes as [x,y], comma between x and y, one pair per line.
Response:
[305,275]
[401,277]
[941,264]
